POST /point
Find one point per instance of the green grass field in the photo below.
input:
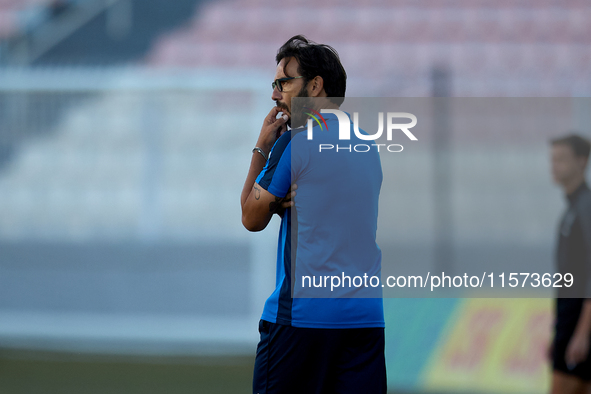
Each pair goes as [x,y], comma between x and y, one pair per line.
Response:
[32,372]
[45,372]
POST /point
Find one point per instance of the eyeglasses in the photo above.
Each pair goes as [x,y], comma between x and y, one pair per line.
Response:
[278,83]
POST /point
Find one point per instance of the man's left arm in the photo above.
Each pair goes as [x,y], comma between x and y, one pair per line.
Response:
[578,347]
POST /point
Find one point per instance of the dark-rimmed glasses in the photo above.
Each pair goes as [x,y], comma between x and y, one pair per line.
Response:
[278,83]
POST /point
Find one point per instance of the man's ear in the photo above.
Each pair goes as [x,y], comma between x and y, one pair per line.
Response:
[316,87]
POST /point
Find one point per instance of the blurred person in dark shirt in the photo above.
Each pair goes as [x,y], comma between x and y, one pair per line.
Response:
[569,351]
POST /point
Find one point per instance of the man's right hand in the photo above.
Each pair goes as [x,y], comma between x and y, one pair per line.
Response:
[272,129]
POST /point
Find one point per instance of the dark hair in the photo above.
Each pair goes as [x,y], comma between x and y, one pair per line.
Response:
[579,145]
[317,60]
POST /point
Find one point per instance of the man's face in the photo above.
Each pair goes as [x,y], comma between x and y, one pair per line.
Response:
[565,164]
[291,88]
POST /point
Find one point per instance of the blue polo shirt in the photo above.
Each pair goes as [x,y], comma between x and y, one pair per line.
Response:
[330,231]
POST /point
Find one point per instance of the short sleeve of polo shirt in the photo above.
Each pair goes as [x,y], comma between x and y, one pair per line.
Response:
[276,175]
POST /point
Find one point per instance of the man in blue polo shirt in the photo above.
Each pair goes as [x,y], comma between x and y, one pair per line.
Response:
[314,340]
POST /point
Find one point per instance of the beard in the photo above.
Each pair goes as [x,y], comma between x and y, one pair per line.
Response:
[297,120]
